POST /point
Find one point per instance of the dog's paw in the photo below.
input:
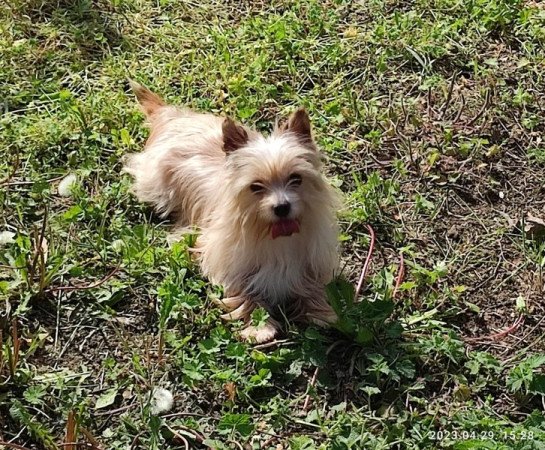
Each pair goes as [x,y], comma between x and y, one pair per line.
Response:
[259,335]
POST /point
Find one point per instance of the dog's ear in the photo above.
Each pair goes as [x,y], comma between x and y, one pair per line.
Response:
[299,124]
[149,102]
[234,136]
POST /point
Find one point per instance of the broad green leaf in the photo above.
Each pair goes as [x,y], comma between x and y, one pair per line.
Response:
[240,423]
[106,399]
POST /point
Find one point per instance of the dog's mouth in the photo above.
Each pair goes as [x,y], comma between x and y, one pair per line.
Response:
[284,227]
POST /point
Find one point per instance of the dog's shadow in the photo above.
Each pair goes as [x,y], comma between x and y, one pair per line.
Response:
[366,359]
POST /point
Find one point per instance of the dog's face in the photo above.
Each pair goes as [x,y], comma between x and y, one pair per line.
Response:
[275,181]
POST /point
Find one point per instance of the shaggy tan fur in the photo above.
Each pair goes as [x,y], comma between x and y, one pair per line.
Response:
[228,180]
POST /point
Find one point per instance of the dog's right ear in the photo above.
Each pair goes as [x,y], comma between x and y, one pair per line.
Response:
[298,123]
[234,136]
[149,102]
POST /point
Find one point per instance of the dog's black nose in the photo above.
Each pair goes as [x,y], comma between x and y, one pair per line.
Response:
[282,210]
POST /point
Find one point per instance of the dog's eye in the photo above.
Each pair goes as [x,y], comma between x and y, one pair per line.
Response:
[256,187]
[295,179]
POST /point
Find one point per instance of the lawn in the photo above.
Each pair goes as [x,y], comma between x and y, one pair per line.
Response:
[431,114]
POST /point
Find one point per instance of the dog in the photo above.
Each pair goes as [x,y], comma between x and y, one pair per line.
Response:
[265,213]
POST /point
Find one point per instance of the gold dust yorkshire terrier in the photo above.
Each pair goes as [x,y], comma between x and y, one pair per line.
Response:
[265,213]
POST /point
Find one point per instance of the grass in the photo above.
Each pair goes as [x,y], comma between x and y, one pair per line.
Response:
[431,115]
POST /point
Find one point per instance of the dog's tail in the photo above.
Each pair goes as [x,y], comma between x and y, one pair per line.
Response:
[149,102]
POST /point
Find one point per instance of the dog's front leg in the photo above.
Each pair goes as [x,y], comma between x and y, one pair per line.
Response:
[240,308]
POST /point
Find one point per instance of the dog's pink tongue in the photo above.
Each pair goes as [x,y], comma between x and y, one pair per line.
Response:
[284,227]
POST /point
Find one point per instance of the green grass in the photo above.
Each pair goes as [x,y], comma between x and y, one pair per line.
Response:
[431,115]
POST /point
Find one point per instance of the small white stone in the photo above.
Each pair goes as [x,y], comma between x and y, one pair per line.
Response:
[117,245]
[501,194]
[66,185]
[161,401]
[6,237]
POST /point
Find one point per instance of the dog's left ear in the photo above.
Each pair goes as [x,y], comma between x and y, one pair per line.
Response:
[234,136]
[299,124]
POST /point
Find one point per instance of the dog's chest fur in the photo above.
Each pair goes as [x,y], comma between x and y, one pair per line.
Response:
[281,267]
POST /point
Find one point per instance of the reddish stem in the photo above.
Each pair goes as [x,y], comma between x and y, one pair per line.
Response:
[499,335]
[400,274]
